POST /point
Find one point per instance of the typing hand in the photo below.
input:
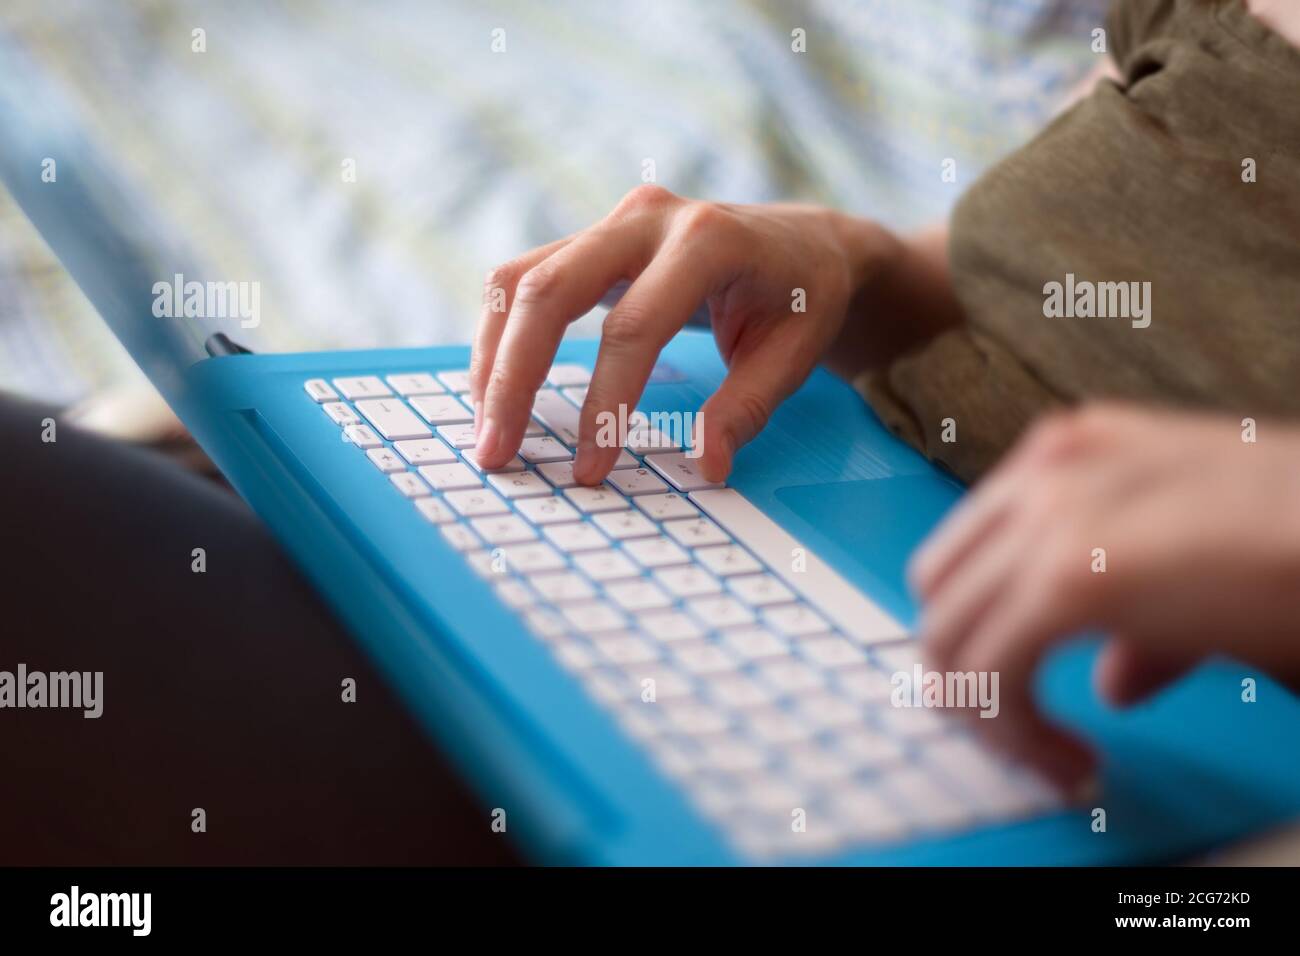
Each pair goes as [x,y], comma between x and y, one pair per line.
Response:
[777,281]
[1198,533]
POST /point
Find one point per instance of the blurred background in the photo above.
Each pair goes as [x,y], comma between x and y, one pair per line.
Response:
[367,163]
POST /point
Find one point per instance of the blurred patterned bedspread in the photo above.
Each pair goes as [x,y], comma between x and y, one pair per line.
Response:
[478,129]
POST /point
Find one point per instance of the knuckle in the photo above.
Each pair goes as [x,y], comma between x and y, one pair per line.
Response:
[753,409]
[703,220]
[1059,436]
[536,285]
[624,327]
[647,196]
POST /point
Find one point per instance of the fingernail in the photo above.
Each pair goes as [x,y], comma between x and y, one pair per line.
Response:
[488,439]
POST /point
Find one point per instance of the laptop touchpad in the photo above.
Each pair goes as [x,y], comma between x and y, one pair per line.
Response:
[874,524]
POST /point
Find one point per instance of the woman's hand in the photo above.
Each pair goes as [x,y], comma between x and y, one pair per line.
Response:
[1198,533]
[754,266]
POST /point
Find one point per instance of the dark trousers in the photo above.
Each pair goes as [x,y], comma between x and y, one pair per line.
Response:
[221,690]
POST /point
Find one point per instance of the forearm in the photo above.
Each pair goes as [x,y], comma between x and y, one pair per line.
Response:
[904,297]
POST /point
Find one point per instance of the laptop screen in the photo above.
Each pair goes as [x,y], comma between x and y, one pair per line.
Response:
[131,265]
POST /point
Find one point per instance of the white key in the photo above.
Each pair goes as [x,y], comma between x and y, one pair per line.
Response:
[486,563]
[737,692]
[514,464]
[436,510]
[849,608]
[573,655]
[532,557]
[865,684]
[605,565]
[456,380]
[701,657]
[687,581]
[475,502]
[627,649]
[898,657]
[460,537]
[669,625]
[558,414]
[593,617]
[341,413]
[424,451]
[320,390]
[409,484]
[561,587]
[519,484]
[755,643]
[777,727]
[681,472]
[817,765]
[668,681]
[451,476]
[581,536]
[549,510]
[637,594]
[576,394]
[564,374]
[543,448]
[734,756]
[625,524]
[656,552]
[720,612]
[442,410]
[695,718]
[647,439]
[910,723]
[758,589]
[362,386]
[458,436]
[826,710]
[637,481]
[363,436]
[506,529]
[787,676]
[997,789]
[558,473]
[545,624]
[696,532]
[794,620]
[924,799]
[862,747]
[415,383]
[866,816]
[664,507]
[727,559]
[534,429]
[593,500]
[392,418]
[385,460]
[515,593]
[829,652]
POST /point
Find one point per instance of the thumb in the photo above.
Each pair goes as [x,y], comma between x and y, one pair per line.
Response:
[760,378]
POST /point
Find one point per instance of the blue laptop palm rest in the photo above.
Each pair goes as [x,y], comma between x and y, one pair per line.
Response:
[1195,767]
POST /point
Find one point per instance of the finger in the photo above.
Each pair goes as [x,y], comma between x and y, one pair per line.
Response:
[949,546]
[1126,673]
[648,315]
[1011,643]
[547,298]
[954,609]
[498,295]
[771,360]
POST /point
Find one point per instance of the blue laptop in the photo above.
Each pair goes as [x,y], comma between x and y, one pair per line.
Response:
[658,671]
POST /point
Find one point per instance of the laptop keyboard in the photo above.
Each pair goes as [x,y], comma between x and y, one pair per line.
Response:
[752,674]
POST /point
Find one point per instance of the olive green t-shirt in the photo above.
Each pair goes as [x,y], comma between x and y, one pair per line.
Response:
[1145,246]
